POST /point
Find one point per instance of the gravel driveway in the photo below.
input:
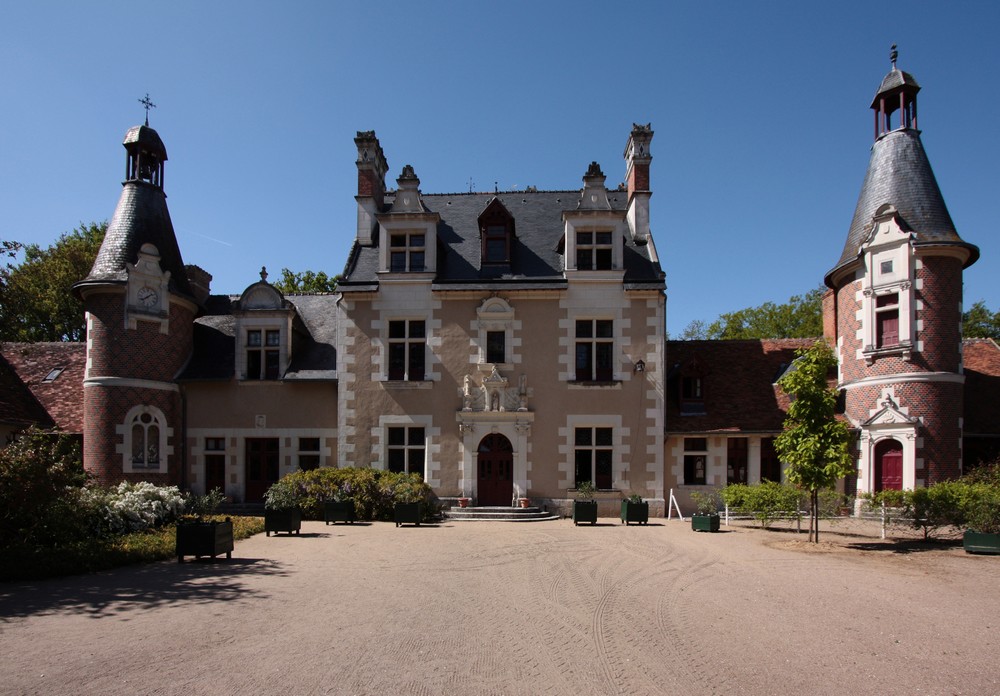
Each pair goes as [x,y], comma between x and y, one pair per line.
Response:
[500,608]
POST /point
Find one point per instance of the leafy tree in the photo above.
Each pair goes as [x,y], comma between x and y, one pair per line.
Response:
[36,301]
[800,317]
[813,443]
[695,331]
[980,322]
[306,282]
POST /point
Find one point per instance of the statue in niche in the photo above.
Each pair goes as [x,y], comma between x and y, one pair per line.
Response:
[467,394]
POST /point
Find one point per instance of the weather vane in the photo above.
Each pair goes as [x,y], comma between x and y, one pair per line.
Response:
[148,104]
[893,54]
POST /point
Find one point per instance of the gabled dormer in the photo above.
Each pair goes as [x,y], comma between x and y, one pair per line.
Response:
[496,235]
[887,286]
[594,231]
[408,231]
[264,321]
[148,288]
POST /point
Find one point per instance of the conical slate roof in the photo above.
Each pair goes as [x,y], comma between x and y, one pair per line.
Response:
[900,174]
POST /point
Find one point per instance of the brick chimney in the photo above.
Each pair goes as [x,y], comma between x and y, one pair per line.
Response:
[637,158]
[371,184]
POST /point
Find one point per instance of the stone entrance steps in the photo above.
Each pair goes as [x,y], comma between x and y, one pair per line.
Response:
[499,514]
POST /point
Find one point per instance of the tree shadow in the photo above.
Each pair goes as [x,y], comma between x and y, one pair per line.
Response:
[122,591]
[906,546]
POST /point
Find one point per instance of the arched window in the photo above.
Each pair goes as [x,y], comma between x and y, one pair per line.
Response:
[145,440]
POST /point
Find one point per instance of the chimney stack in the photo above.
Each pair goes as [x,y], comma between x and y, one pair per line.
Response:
[371,184]
[637,157]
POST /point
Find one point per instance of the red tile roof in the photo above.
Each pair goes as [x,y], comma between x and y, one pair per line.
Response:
[55,401]
[738,387]
[982,386]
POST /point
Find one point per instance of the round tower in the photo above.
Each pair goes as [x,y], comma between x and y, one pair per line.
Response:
[140,313]
[898,307]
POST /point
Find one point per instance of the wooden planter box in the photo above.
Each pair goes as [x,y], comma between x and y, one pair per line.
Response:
[339,512]
[635,512]
[981,542]
[584,511]
[409,513]
[204,539]
[705,523]
[288,520]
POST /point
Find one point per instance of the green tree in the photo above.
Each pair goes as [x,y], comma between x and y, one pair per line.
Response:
[813,443]
[306,282]
[980,322]
[36,299]
[695,331]
[800,317]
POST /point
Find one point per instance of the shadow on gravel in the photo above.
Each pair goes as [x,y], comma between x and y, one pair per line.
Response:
[116,593]
[905,547]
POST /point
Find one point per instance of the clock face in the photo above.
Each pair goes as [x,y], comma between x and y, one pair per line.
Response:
[147,297]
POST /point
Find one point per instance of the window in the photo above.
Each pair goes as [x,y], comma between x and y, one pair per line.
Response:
[594,350]
[496,346]
[308,453]
[770,465]
[145,429]
[53,375]
[593,448]
[405,451]
[406,349]
[593,251]
[736,460]
[215,464]
[695,460]
[496,244]
[887,320]
[406,252]
[263,353]
[692,400]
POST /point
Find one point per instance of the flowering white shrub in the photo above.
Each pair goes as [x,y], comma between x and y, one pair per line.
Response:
[133,507]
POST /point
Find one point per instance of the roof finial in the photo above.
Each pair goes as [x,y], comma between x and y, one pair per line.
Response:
[893,55]
[263,273]
[148,104]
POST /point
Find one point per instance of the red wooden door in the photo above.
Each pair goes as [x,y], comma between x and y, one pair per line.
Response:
[496,470]
[889,466]
[261,467]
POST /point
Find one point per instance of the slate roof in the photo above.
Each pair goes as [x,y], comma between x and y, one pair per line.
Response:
[26,398]
[895,79]
[738,384]
[981,357]
[900,174]
[536,255]
[314,340]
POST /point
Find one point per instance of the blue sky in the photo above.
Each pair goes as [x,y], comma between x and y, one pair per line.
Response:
[760,111]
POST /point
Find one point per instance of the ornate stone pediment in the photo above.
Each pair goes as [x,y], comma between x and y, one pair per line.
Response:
[494,393]
[890,414]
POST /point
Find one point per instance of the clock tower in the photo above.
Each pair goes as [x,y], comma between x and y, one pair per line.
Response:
[140,312]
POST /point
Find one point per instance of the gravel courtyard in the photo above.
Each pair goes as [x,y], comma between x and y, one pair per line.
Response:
[500,608]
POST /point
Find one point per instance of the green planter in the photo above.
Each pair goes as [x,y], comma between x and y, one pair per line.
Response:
[204,539]
[584,511]
[339,512]
[287,520]
[705,523]
[981,542]
[409,513]
[635,512]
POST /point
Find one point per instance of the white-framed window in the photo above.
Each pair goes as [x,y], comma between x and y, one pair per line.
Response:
[495,328]
[406,448]
[594,251]
[263,354]
[407,252]
[144,446]
[593,456]
[594,350]
[695,461]
[407,343]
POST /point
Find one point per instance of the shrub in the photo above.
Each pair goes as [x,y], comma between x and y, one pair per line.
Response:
[981,508]
[766,501]
[133,507]
[707,502]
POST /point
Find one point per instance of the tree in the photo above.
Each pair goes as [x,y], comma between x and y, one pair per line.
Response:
[695,331]
[306,282]
[980,322]
[813,443]
[800,317]
[36,299]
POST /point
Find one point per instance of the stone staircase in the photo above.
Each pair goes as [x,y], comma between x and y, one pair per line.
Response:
[499,514]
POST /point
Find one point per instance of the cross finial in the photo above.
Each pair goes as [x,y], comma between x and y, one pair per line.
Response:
[148,104]
[893,55]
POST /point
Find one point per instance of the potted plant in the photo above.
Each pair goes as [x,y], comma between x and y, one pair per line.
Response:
[982,516]
[197,537]
[523,502]
[635,509]
[463,502]
[706,519]
[585,507]
[281,509]
[341,508]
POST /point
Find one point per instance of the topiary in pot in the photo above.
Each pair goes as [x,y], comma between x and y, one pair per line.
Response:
[706,519]
[982,514]
[281,507]
[585,507]
[634,509]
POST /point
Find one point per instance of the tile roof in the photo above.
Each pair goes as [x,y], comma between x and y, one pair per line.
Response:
[536,256]
[737,384]
[54,402]
[981,357]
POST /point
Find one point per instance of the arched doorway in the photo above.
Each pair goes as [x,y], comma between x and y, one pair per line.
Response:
[888,466]
[495,463]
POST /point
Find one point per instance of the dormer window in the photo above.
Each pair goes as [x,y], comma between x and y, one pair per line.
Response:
[496,245]
[887,320]
[593,251]
[888,303]
[496,232]
[263,332]
[407,252]
[263,353]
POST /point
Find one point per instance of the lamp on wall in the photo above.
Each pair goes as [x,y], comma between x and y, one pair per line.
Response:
[640,366]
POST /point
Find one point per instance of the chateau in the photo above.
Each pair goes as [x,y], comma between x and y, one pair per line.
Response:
[512,344]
